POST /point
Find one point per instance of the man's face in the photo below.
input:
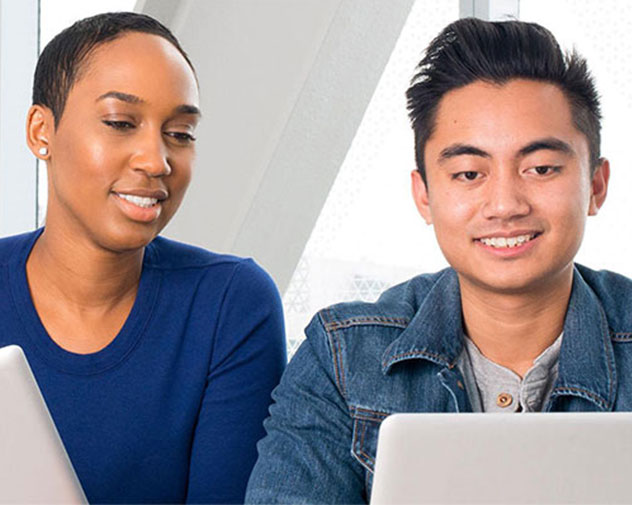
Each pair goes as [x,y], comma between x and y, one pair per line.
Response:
[508,185]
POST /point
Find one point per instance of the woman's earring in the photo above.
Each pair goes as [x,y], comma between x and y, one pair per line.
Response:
[43,151]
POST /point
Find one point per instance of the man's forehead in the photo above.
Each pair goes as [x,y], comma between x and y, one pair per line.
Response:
[490,115]
[516,94]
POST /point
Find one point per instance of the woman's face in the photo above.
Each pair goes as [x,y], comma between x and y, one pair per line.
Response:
[120,159]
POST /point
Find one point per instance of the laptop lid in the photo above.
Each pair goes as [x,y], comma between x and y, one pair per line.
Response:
[34,466]
[550,458]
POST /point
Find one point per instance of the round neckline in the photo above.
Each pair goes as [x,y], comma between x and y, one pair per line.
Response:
[83,364]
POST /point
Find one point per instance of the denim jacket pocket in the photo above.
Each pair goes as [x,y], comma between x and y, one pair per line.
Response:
[366,426]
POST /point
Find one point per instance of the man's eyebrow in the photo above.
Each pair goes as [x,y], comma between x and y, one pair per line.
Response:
[125,97]
[546,144]
[461,150]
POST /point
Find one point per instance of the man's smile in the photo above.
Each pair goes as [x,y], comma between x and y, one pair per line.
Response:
[502,242]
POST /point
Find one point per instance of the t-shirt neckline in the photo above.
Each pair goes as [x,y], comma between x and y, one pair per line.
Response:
[110,356]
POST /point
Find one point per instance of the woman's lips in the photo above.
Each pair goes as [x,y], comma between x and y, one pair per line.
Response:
[139,208]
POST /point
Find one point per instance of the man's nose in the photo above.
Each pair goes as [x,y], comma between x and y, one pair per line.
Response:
[505,198]
[151,155]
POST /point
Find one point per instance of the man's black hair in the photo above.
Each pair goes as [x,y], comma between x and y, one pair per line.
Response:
[470,50]
[62,60]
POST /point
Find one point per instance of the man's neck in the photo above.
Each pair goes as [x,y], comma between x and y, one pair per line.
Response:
[513,329]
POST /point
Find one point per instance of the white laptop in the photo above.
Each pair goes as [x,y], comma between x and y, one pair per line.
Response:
[549,458]
[34,466]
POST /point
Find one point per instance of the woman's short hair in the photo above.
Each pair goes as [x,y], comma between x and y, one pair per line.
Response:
[65,56]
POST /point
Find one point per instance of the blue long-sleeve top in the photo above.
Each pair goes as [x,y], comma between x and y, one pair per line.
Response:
[171,410]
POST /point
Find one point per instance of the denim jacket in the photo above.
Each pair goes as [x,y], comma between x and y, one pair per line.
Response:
[362,362]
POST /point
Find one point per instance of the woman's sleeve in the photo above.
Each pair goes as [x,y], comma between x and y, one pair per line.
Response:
[306,456]
[247,361]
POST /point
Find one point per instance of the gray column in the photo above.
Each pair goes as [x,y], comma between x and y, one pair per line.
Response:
[284,87]
[490,10]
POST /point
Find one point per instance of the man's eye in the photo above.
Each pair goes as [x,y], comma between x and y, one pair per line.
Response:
[118,125]
[469,175]
[546,169]
[181,137]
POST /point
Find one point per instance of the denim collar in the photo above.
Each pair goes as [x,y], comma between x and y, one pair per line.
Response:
[587,367]
[435,332]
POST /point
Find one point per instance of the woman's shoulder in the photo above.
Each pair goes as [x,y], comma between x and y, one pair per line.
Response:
[12,248]
[170,254]
[241,278]
[167,254]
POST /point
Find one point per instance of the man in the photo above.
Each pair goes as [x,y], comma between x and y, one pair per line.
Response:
[507,144]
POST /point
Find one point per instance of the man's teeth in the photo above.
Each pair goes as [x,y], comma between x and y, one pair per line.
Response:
[141,201]
[502,242]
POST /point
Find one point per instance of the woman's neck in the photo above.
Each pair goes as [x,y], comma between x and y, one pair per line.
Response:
[82,274]
[82,294]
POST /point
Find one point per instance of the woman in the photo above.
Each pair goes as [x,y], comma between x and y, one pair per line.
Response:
[156,359]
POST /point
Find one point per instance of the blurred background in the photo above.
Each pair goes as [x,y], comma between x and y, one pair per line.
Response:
[305,150]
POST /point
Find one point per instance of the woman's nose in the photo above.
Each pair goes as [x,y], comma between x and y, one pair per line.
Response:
[151,156]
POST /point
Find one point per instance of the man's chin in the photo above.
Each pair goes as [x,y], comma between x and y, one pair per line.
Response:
[514,283]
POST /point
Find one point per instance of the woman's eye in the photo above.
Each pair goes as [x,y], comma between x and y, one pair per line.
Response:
[118,125]
[181,137]
[469,175]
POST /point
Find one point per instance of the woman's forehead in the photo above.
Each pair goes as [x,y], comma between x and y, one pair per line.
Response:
[139,64]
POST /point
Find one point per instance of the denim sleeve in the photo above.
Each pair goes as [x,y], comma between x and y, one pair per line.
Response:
[306,455]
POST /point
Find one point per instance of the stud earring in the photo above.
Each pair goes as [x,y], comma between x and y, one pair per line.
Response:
[43,151]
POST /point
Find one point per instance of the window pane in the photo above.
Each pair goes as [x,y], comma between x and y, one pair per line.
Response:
[369,235]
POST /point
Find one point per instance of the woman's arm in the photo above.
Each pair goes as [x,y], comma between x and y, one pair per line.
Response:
[247,362]
[306,456]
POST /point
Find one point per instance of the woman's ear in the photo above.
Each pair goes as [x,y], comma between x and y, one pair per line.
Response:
[420,195]
[40,128]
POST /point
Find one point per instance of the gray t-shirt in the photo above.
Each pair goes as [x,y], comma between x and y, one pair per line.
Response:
[494,388]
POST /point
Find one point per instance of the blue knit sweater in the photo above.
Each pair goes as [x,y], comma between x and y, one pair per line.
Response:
[171,410]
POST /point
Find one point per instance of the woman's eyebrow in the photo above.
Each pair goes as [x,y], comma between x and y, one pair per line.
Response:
[125,97]
[128,98]
[188,109]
